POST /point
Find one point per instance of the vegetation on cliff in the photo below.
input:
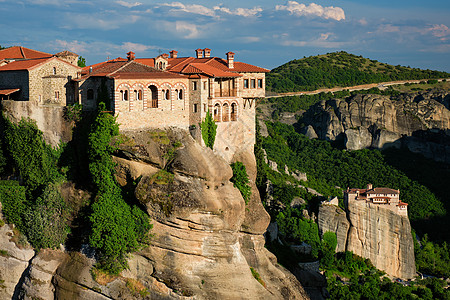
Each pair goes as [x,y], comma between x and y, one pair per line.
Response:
[208,127]
[339,69]
[36,206]
[116,227]
[240,180]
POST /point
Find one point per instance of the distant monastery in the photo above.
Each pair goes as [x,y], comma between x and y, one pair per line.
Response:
[166,91]
[388,198]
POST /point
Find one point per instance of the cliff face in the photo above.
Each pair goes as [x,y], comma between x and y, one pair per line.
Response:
[205,238]
[375,233]
[377,121]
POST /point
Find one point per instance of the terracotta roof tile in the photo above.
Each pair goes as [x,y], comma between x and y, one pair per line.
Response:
[206,69]
[119,68]
[7,92]
[22,65]
[19,52]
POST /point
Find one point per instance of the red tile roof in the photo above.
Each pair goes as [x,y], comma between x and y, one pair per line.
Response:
[199,68]
[19,52]
[382,190]
[7,92]
[22,65]
[124,69]
[28,64]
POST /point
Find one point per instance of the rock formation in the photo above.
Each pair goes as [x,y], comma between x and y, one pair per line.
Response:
[377,121]
[205,242]
[373,232]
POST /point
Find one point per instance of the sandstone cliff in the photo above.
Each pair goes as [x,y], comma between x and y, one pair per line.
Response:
[372,232]
[205,238]
[363,121]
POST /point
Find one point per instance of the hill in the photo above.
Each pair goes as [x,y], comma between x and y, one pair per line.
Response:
[339,69]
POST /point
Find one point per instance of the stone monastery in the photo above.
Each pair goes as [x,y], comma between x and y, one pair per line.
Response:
[166,91]
[388,198]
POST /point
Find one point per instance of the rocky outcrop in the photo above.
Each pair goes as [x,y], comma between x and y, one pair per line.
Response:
[332,218]
[205,237]
[382,236]
[377,121]
[205,242]
[373,232]
[15,254]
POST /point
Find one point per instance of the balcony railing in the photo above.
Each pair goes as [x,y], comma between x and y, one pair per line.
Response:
[225,93]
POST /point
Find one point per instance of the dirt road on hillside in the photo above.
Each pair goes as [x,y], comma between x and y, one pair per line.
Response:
[381,86]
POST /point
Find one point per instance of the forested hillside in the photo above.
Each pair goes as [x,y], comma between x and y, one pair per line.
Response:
[339,69]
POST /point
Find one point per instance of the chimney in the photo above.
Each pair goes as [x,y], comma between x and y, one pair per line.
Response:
[369,186]
[207,52]
[165,55]
[173,54]
[130,56]
[230,59]
[199,53]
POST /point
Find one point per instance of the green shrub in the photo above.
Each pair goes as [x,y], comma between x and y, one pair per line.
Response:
[116,229]
[46,224]
[14,202]
[209,127]
[35,160]
[240,180]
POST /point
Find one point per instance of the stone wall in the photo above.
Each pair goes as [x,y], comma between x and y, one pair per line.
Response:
[15,79]
[134,114]
[252,92]
[43,83]
[49,119]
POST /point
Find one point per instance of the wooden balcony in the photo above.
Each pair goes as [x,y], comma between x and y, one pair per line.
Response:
[225,93]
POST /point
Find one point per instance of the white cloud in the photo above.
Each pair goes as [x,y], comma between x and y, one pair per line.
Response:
[74,46]
[243,12]
[300,9]
[186,30]
[135,47]
[441,31]
[128,4]
[190,8]
[205,11]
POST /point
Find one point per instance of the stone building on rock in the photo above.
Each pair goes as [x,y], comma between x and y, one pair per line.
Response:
[385,197]
[165,91]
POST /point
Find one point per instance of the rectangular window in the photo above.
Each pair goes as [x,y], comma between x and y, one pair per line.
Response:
[205,86]
[245,83]
[253,83]
[194,85]
[204,107]
[260,83]
[195,107]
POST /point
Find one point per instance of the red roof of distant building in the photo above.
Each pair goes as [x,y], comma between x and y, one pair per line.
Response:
[19,52]
[7,92]
[124,69]
[21,65]
[28,64]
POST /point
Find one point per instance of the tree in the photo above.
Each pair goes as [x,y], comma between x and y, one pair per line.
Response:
[240,180]
[46,223]
[81,62]
[116,228]
[209,127]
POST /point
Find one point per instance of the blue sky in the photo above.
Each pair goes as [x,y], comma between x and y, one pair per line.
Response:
[261,32]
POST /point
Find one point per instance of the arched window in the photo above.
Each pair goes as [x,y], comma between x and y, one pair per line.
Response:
[217,112]
[90,94]
[225,112]
[137,94]
[54,70]
[233,114]
[124,95]
[166,94]
[154,93]
[180,94]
